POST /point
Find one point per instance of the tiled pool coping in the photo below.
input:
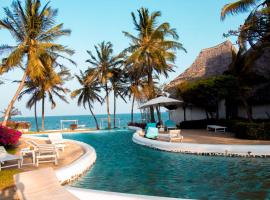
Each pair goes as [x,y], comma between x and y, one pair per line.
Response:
[242,150]
[72,171]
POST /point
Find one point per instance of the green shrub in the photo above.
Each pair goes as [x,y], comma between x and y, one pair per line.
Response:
[245,130]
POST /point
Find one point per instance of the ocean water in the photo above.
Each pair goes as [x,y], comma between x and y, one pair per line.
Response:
[53,122]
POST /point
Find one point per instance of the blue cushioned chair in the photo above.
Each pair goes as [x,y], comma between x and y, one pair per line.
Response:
[152,133]
[153,125]
[169,124]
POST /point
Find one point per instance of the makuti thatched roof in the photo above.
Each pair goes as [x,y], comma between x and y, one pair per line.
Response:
[210,62]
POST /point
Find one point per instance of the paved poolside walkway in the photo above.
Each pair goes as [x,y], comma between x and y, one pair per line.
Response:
[72,152]
[204,137]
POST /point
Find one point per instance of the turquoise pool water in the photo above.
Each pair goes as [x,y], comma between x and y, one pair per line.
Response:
[123,166]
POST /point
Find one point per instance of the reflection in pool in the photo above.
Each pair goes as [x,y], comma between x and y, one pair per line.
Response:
[123,166]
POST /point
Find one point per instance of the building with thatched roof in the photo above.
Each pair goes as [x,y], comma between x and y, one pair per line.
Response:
[215,61]
[210,62]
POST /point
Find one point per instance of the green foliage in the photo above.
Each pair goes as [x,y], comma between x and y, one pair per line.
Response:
[207,93]
[152,51]
[251,130]
[257,24]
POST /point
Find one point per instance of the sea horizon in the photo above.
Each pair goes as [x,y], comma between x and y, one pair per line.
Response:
[53,122]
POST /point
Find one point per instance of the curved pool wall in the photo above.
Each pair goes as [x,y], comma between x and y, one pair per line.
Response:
[203,149]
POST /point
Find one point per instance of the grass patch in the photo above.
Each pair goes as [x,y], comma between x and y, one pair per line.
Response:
[6,177]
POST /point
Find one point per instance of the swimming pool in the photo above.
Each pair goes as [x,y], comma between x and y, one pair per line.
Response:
[123,166]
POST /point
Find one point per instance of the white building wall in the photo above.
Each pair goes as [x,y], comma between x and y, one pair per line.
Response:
[222,109]
[192,113]
[195,113]
[260,112]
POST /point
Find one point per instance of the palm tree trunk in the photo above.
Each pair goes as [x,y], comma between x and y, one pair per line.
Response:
[132,109]
[152,114]
[159,115]
[185,115]
[36,116]
[43,114]
[248,110]
[93,115]
[217,111]
[108,106]
[11,104]
[150,83]
[114,110]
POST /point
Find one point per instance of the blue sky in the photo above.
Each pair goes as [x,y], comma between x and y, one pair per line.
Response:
[91,22]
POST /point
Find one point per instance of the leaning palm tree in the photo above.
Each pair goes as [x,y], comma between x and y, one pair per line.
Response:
[88,93]
[151,51]
[33,27]
[101,69]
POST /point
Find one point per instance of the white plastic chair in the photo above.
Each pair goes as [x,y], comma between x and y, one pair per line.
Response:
[44,152]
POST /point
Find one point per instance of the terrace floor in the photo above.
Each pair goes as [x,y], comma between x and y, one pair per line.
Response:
[204,137]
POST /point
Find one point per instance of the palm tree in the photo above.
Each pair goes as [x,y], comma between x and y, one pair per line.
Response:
[101,68]
[135,84]
[151,52]
[241,6]
[33,27]
[54,86]
[119,87]
[257,25]
[88,93]
[14,112]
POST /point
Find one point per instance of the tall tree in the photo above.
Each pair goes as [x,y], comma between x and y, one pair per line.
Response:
[33,27]
[88,93]
[151,51]
[119,87]
[101,68]
[54,86]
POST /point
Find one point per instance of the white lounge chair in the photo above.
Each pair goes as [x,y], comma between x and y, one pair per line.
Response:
[57,139]
[175,135]
[44,152]
[41,184]
[4,157]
